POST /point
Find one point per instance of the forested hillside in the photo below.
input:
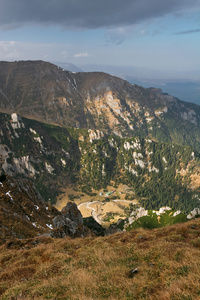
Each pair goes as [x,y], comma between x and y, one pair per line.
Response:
[53,157]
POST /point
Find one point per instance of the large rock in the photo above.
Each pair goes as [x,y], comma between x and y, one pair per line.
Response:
[195,212]
[72,212]
[69,223]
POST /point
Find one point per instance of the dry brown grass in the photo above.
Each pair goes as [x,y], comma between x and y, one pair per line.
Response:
[98,268]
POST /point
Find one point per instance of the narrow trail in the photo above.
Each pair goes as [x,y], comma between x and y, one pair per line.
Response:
[94,213]
[127,201]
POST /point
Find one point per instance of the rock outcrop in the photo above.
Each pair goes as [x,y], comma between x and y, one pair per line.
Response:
[69,223]
[195,212]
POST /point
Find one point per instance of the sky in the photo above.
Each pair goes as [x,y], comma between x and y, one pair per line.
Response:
[155,34]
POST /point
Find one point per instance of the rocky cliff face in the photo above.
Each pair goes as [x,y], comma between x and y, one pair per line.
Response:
[45,92]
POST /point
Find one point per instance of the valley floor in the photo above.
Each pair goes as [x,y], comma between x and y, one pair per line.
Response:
[105,212]
[105,209]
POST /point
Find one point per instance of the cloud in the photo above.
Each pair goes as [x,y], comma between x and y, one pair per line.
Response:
[189,31]
[15,50]
[81,55]
[87,14]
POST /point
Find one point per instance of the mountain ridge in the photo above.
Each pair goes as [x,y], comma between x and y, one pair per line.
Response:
[43,91]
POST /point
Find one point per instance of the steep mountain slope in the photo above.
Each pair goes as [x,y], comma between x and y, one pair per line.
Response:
[24,213]
[39,151]
[130,110]
[45,92]
[54,158]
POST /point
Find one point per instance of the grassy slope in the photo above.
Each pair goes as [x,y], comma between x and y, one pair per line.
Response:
[98,268]
[153,221]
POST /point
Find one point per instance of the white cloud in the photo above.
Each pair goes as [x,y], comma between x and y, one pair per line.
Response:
[81,54]
[15,50]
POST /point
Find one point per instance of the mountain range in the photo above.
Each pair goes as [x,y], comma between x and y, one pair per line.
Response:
[97,101]
[91,130]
